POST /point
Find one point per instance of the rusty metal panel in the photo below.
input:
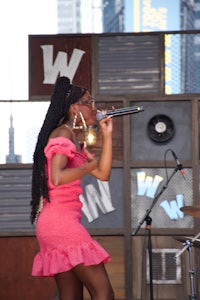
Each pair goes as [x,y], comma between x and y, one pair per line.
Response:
[129,64]
[54,55]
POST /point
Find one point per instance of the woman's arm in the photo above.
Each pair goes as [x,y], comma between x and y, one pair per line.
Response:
[99,168]
[104,166]
[62,175]
[59,173]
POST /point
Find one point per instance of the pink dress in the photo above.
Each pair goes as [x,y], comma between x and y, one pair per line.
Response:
[64,242]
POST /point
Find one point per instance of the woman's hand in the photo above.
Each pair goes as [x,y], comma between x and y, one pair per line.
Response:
[106,125]
[104,164]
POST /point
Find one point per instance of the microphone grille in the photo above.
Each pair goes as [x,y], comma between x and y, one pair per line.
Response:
[99,115]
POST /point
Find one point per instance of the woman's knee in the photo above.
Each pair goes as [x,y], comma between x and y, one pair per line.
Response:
[99,294]
[96,280]
[69,287]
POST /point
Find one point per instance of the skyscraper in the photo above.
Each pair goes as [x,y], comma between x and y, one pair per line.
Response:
[89,16]
[12,157]
[69,16]
[113,15]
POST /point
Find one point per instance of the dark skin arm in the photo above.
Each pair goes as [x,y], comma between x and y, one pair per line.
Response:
[98,168]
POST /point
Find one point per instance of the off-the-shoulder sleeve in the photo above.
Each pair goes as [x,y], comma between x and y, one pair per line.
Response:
[60,145]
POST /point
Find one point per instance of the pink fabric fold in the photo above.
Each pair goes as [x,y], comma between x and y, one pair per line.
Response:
[52,261]
[60,145]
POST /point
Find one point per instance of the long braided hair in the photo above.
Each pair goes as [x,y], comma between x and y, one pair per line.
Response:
[63,96]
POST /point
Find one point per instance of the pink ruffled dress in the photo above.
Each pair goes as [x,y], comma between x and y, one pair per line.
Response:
[64,242]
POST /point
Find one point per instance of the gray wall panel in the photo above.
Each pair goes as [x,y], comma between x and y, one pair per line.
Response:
[129,64]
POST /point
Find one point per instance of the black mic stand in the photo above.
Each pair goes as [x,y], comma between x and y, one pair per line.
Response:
[146,218]
[188,244]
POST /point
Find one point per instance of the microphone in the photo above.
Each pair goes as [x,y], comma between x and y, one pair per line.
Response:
[179,165]
[118,112]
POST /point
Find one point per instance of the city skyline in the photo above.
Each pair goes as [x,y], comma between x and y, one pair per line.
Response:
[26,128]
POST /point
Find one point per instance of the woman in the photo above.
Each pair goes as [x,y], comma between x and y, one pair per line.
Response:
[67,251]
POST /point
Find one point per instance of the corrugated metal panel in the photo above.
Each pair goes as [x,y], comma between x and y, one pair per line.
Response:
[129,64]
[15,197]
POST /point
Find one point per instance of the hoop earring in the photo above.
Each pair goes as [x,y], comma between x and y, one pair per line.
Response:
[83,121]
[74,126]
[74,122]
[90,132]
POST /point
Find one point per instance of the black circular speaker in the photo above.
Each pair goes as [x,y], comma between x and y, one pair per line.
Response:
[160,128]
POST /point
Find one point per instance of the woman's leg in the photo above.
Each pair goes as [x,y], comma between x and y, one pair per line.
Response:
[96,280]
[69,287]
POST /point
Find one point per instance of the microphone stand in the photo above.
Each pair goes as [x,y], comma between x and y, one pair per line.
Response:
[188,244]
[148,219]
[148,228]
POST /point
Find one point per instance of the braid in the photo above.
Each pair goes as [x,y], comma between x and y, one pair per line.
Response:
[63,96]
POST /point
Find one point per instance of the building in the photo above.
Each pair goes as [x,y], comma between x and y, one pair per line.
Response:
[113,16]
[88,16]
[68,16]
[12,157]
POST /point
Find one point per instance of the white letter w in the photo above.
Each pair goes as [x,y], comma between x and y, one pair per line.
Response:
[51,70]
[147,184]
